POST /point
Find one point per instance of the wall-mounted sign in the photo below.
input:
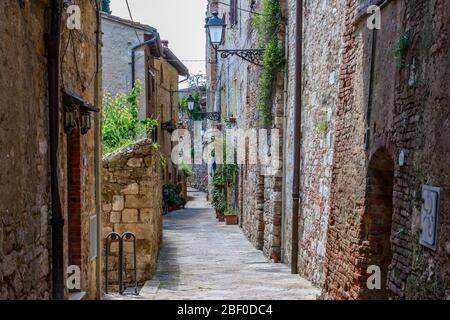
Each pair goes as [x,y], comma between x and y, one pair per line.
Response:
[402,158]
[429,216]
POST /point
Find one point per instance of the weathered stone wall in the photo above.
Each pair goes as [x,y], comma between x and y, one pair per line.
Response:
[321,60]
[167,110]
[119,37]
[132,202]
[320,92]
[25,208]
[251,181]
[199,178]
[237,82]
[288,137]
[411,107]
[79,76]
[24,199]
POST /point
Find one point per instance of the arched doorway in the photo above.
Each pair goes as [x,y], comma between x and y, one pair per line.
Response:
[377,222]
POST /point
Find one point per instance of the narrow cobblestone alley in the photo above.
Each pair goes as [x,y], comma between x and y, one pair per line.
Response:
[204,259]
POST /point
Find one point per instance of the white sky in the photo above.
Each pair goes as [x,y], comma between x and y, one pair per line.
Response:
[181,22]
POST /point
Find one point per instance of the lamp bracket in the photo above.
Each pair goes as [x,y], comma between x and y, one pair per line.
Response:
[213,116]
[254,56]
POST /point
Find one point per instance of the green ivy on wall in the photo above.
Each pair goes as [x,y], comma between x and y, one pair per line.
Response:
[267,26]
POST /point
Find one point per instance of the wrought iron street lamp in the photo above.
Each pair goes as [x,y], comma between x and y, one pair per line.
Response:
[190,102]
[215,28]
[213,116]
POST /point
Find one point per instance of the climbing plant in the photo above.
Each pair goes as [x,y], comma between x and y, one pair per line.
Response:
[121,125]
[401,49]
[106,6]
[267,25]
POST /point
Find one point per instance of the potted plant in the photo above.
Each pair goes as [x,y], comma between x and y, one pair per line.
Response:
[175,201]
[231,217]
[218,195]
[219,204]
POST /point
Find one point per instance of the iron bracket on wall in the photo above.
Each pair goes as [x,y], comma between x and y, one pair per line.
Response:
[213,116]
[254,56]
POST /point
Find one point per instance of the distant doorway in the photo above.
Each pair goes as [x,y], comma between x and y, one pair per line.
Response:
[377,222]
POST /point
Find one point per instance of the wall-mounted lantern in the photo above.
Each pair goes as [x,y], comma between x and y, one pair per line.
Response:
[190,102]
[70,122]
[85,125]
[213,116]
[215,28]
[72,102]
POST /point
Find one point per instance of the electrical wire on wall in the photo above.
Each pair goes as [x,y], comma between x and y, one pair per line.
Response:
[78,38]
[131,18]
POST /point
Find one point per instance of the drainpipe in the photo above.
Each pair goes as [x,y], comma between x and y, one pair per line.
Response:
[184,80]
[153,40]
[297,133]
[97,158]
[285,119]
[57,220]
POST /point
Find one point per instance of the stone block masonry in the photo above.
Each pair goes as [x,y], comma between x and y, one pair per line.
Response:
[25,204]
[132,202]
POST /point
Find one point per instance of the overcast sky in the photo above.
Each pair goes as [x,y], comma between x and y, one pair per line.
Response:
[181,22]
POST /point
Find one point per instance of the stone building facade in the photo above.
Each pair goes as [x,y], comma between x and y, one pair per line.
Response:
[155,66]
[32,163]
[372,103]
[119,37]
[265,200]
[132,202]
[391,144]
[321,60]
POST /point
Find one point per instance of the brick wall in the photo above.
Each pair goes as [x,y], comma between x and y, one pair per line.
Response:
[405,116]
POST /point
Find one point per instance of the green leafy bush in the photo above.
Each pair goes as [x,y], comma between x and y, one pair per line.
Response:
[174,195]
[121,125]
[186,169]
[223,179]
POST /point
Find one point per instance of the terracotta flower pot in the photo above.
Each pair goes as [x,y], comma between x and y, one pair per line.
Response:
[221,217]
[231,219]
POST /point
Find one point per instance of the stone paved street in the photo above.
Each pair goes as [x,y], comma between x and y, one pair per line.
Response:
[204,259]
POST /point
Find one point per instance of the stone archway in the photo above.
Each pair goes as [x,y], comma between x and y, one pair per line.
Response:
[377,222]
